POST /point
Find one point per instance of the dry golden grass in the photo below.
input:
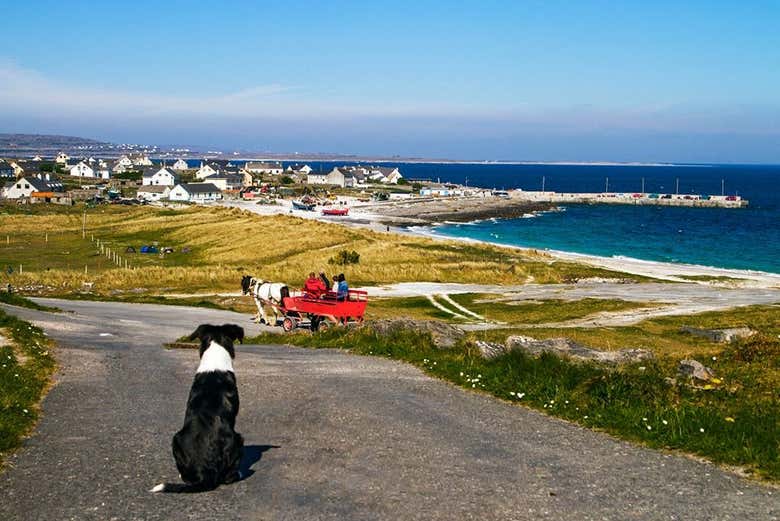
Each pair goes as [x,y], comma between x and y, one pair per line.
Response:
[226,243]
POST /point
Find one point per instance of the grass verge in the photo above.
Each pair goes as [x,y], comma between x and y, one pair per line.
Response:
[206,301]
[18,300]
[26,365]
[733,423]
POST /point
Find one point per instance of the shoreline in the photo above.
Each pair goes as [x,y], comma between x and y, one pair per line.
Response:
[672,272]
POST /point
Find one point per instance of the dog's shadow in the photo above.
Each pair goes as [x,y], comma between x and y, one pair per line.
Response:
[252,454]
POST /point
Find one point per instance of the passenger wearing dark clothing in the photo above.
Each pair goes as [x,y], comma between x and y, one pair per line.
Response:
[342,291]
[325,281]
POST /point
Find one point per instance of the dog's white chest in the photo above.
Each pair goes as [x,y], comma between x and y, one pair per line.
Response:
[215,358]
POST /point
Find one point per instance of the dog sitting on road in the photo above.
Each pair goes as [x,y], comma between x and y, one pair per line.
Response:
[208,449]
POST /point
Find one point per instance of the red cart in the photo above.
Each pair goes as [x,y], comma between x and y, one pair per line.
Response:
[323,312]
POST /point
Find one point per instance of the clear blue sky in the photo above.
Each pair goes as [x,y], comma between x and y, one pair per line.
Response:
[546,80]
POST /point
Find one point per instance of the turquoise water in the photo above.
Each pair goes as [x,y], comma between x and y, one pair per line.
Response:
[709,237]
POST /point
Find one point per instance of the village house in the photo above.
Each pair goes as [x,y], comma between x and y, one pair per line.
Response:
[195,193]
[62,158]
[338,176]
[18,170]
[206,170]
[298,169]
[257,167]
[180,164]
[141,160]
[231,182]
[37,158]
[385,175]
[164,176]
[82,169]
[26,186]
[122,165]
[6,170]
[153,192]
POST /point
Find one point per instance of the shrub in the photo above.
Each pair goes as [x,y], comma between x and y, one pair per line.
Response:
[345,257]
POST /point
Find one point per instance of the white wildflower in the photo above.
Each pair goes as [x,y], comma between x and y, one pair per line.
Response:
[649,428]
[665,422]
[701,429]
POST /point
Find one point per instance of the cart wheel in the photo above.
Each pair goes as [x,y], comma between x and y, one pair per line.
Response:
[323,325]
[288,324]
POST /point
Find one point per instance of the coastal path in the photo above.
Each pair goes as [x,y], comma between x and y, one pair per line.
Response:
[329,435]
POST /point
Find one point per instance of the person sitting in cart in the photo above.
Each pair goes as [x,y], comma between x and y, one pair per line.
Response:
[325,280]
[342,291]
[314,287]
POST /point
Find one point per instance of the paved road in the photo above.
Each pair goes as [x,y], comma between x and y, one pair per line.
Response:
[330,436]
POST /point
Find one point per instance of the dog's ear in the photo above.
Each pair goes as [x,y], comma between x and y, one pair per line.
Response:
[200,332]
[233,331]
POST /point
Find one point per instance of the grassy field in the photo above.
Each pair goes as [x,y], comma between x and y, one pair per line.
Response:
[46,241]
[526,313]
[735,422]
[26,364]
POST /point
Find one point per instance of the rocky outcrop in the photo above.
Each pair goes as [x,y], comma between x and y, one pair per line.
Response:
[563,347]
[694,370]
[444,335]
[720,335]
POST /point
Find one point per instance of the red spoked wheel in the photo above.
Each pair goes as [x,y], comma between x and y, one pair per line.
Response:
[288,324]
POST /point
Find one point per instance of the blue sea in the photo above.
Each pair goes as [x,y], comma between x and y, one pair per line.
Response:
[746,238]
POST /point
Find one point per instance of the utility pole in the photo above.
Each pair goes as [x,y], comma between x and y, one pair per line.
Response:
[84,225]
[722,187]
[606,185]
[677,188]
[543,183]
[643,185]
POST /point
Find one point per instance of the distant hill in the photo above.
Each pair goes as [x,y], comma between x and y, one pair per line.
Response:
[44,141]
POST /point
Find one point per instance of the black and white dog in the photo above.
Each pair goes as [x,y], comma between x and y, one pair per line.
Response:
[208,449]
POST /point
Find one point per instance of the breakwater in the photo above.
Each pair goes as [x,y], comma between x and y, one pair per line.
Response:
[638,199]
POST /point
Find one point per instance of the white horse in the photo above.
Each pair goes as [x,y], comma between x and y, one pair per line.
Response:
[265,293]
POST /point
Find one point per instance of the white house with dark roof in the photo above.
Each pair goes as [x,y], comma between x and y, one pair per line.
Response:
[180,164]
[62,158]
[164,177]
[260,167]
[298,169]
[206,170]
[6,170]
[153,192]
[82,169]
[26,186]
[227,181]
[386,175]
[195,193]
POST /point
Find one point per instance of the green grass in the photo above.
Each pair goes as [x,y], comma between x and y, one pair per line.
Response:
[15,299]
[540,312]
[710,278]
[25,370]
[496,311]
[735,423]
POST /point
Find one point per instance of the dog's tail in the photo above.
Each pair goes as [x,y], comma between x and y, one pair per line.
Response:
[181,488]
